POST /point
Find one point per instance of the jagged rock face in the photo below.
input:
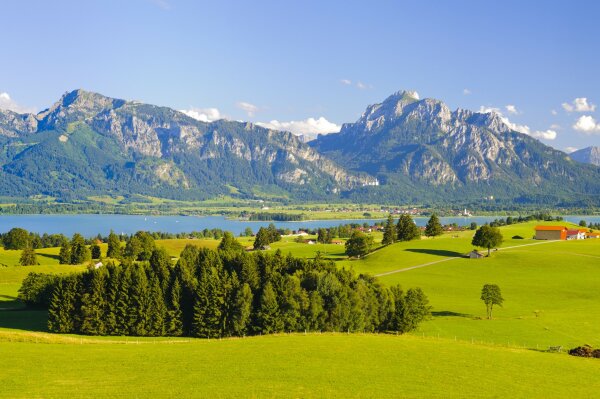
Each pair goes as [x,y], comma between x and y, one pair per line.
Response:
[13,124]
[426,142]
[589,155]
[160,146]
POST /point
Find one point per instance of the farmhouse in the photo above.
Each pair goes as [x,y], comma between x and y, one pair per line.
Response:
[576,234]
[551,232]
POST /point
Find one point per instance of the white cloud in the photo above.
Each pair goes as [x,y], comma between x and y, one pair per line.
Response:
[6,102]
[250,109]
[466,92]
[570,149]
[555,126]
[580,104]
[203,114]
[553,112]
[346,82]
[363,86]
[538,134]
[587,124]
[512,109]
[546,134]
[310,126]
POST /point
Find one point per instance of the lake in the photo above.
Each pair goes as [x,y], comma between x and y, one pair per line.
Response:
[91,225]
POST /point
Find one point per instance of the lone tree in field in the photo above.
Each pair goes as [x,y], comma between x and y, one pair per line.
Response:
[406,229]
[491,295]
[359,244]
[389,232]
[433,227]
[28,257]
[487,237]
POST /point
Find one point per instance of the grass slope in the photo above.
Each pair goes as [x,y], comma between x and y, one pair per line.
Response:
[292,366]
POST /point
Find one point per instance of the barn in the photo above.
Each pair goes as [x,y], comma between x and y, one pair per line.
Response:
[551,232]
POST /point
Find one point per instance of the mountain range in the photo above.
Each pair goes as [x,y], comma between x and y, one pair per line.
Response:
[402,150]
[587,155]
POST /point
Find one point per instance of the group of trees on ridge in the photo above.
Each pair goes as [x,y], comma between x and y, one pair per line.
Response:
[227,292]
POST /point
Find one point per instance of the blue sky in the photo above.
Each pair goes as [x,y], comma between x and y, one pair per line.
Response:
[291,61]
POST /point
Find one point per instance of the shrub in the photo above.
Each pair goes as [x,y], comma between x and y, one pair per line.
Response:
[517,238]
[582,351]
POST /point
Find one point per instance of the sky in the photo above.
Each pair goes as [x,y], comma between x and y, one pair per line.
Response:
[309,66]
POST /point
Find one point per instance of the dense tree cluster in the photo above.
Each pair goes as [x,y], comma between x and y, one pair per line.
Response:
[228,292]
[74,252]
[266,236]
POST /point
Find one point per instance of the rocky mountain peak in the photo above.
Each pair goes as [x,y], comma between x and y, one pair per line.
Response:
[587,155]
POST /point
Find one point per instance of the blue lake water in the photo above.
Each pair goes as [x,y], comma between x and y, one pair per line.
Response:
[91,225]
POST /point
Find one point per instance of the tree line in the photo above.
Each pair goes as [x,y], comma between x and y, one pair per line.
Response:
[227,292]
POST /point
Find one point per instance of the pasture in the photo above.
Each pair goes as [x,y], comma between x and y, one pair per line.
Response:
[551,299]
[314,365]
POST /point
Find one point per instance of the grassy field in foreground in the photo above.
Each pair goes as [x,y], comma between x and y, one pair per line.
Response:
[292,366]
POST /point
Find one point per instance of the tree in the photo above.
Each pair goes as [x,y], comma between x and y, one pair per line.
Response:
[28,257]
[16,238]
[323,236]
[174,322]
[248,232]
[491,295]
[93,305]
[96,251]
[229,243]
[147,245]
[487,237]
[473,226]
[64,255]
[433,227]
[389,231]
[582,223]
[80,253]
[133,248]
[114,246]
[268,315]
[160,263]
[242,310]
[262,238]
[359,244]
[274,235]
[406,229]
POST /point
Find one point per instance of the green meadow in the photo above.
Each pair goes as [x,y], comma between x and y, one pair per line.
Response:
[551,299]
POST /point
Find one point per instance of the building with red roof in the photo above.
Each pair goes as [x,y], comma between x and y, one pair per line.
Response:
[551,232]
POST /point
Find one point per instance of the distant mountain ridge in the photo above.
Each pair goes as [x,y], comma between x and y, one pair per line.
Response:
[90,144]
[404,149]
[589,155]
[420,145]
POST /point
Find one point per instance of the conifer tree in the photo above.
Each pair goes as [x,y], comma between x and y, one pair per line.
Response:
[114,246]
[64,256]
[80,253]
[406,229]
[207,313]
[174,322]
[160,264]
[122,301]
[389,232]
[62,306]
[433,227]
[262,238]
[93,304]
[268,315]
[157,310]
[95,250]
[229,243]
[112,292]
[139,302]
